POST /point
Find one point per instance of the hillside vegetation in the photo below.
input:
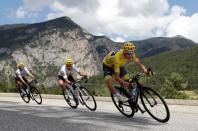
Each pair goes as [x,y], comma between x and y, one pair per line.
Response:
[175,72]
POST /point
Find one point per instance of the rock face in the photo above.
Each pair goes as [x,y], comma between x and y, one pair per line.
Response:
[45,46]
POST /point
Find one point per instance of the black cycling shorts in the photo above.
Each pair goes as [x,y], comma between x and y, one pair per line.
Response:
[70,78]
[109,72]
[18,79]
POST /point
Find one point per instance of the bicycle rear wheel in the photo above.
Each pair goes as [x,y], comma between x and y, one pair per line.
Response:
[24,95]
[87,99]
[70,98]
[154,104]
[124,108]
[36,95]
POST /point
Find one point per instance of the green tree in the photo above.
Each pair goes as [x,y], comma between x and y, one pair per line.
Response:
[172,84]
[178,81]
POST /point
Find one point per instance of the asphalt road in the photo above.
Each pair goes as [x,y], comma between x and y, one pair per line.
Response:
[56,115]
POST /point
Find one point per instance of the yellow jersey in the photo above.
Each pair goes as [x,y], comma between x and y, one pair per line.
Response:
[116,60]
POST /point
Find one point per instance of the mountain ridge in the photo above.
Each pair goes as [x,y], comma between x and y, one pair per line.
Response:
[45,45]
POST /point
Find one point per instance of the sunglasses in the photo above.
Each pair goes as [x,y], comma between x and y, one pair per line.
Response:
[69,65]
[129,53]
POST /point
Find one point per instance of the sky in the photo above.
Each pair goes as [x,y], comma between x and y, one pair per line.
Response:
[121,20]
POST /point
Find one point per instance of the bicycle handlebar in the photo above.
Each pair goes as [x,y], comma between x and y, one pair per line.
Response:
[86,79]
[137,76]
[33,81]
[150,71]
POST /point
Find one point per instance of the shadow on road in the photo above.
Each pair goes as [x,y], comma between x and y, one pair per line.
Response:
[80,116]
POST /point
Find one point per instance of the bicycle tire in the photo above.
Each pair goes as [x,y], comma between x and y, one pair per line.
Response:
[34,94]
[151,94]
[70,98]
[85,95]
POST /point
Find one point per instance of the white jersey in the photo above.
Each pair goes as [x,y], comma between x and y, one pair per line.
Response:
[65,72]
[23,72]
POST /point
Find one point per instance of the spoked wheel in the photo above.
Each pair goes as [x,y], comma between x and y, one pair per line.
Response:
[24,95]
[70,98]
[87,99]
[35,95]
[155,105]
[124,108]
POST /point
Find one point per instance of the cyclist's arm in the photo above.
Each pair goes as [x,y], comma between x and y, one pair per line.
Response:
[121,81]
[82,74]
[140,65]
[20,77]
[30,74]
[66,80]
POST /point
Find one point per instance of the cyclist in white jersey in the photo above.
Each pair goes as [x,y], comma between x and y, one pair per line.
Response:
[21,73]
[68,74]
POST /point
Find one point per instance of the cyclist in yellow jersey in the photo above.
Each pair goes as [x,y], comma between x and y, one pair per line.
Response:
[114,64]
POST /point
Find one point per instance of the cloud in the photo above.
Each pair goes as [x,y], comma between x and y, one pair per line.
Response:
[36,5]
[31,8]
[140,19]
[20,13]
[118,39]
[143,7]
[185,26]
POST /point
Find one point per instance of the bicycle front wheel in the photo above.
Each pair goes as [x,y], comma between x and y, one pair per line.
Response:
[70,98]
[36,95]
[154,104]
[87,99]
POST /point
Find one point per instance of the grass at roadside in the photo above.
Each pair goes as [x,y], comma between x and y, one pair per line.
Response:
[192,94]
[95,89]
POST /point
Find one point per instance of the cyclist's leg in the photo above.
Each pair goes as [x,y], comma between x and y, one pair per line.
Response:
[123,73]
[27,87]
[108,76]
[74,87]
[18,82]
[108,73]
[19,85]
[71,78]
[61,81]
[125,76]
[109,82]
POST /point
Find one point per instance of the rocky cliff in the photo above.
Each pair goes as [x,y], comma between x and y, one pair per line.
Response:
[44,47]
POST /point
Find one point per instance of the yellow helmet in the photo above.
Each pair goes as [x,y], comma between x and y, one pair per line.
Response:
[69,62]
[21,64]
[128,46]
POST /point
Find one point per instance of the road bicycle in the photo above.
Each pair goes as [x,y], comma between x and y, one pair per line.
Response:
[84,97]
[30,92]
[152,102]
